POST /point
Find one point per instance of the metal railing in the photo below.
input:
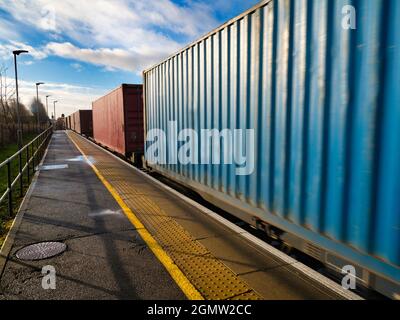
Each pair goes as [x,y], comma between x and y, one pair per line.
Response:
[33,153]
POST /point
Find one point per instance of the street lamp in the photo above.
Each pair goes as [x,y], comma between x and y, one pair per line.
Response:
[37,104]
[19,131]
[47,105]
[55,109]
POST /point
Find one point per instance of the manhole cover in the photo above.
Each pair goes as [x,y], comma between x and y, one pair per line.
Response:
[40,251]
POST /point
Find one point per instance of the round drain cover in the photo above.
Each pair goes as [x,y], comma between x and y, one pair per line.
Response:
[40,251]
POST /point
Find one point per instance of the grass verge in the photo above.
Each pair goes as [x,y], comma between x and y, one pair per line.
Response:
[5,152]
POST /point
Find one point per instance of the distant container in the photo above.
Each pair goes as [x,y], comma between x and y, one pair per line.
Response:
[68,121]
[82,122]
[60,123]
[324,103]
[71,122]
[118,121]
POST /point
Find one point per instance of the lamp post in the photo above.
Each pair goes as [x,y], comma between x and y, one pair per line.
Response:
[47,105]
[55,109]
[19,131]
[37,104]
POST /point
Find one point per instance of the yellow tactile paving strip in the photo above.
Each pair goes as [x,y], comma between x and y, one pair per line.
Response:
[211,278]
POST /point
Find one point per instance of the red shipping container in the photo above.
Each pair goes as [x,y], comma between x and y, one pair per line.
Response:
[70,122]
[82,122]
[118,121]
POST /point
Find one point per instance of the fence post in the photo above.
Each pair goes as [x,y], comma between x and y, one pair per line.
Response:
[10,205]
[21,183]
[37,151]
[33,158]
[28,164]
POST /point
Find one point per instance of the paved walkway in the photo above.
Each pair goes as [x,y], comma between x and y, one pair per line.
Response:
[127,238]
[106,258]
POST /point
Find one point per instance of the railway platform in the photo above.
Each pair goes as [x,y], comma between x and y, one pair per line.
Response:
[128,237]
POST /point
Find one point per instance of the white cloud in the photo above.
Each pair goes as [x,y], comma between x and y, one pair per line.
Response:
[7,30]
[70,97]
[119,34]
[77,66]
[110,58]
[192,19]
[6,50]
[116,35]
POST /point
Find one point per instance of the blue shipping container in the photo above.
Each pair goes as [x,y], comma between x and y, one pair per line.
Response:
[319,82]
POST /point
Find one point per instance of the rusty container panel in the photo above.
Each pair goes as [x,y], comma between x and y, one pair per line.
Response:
[75,121]
[134,133]
[82,122]
[72,122]
[85,123]
[118,120]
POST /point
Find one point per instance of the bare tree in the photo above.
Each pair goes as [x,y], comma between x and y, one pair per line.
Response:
[26,115]
[3,93]
[8,111]
[37,106]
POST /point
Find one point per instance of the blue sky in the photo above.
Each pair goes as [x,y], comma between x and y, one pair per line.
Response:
[83,49]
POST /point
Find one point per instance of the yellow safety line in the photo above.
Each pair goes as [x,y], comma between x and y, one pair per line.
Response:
[186,286]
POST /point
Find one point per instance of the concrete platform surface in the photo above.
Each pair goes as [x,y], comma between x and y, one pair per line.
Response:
[105,259]
[108,256]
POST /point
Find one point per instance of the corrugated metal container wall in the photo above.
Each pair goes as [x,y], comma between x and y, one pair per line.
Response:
[75,115]
[82,122]
[325,105]
[118,120]
[85,123]
[134,132]
[72,122]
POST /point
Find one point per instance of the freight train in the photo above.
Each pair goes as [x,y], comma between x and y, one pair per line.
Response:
[322,99]
[118,121]
[81,122]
